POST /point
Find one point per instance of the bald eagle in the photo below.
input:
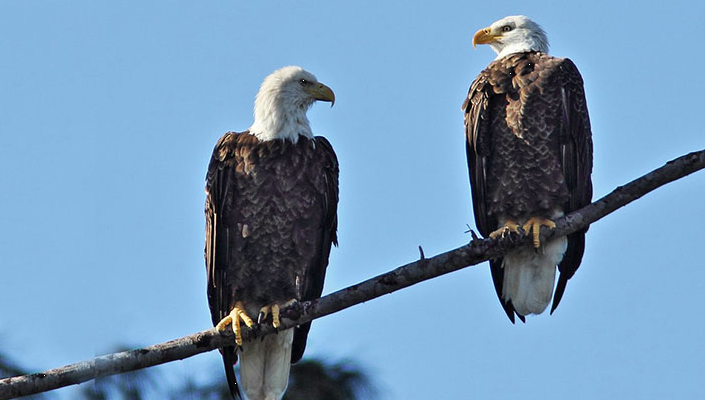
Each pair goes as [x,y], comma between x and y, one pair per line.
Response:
[272,195]
[529,152]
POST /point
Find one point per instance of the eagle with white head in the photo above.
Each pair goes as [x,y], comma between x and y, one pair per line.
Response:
[529,151]
[272,196]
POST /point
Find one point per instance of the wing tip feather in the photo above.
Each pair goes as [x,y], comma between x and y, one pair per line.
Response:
[229,359]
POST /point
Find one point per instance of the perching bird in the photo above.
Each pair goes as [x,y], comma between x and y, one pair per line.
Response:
[272,196]
[529,150]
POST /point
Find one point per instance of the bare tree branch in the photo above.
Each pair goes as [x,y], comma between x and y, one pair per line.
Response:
[473,253]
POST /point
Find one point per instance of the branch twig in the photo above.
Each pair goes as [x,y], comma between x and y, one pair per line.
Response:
[473,253]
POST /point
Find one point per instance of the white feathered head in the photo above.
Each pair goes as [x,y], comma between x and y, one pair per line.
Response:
[282,101]
[513,34]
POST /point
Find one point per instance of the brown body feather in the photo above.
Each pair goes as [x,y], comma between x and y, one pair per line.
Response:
[529,150]
[270,223]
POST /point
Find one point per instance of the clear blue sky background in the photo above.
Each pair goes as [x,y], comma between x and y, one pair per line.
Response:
[109,112]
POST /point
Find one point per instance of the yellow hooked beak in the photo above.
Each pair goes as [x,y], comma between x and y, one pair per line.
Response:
[484,36]
[321,92]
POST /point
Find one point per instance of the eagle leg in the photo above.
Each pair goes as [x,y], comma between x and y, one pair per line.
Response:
[274,309]
[509,226]
[534,224]
[238,313]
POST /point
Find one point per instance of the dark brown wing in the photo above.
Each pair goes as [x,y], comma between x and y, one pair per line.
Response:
[477,148]
[218,179]
[230,197]
[327,164]
[576,156]
[478,151]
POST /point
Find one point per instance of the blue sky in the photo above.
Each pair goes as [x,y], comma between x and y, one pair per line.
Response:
[109,112]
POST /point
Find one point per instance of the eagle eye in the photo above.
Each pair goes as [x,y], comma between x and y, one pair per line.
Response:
[304,82]
[506,28]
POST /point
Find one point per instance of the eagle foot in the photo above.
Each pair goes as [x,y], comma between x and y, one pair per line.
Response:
[238,313]
[509,227]
[274,310]
[534,224]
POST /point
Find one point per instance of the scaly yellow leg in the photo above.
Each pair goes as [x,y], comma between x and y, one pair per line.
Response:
[509,226]
[238,313]
[534,224]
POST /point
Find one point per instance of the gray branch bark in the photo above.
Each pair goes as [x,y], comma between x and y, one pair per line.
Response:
[477,251]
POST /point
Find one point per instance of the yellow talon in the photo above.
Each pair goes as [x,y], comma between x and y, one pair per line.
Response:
[275,316]
[238,313]
[264,312]
[534,225]
[274,308]
[509,226]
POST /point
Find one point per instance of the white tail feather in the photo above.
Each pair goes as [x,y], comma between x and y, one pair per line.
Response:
[264,366]
[529,276]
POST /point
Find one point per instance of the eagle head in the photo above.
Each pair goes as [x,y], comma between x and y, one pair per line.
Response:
[513,34]
[282,101]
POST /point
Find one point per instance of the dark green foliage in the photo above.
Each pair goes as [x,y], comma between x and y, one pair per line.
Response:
[134,385]
[310,379]
[128,386]
[215,390]
[318,380]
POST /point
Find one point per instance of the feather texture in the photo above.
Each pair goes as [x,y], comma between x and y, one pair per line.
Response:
[271,219]
[529,151]
[270,223]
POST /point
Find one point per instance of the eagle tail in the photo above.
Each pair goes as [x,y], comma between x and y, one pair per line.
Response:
[264,366]
[229,359]
[498,280]
[529,276]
